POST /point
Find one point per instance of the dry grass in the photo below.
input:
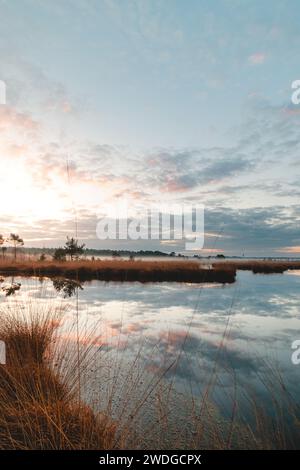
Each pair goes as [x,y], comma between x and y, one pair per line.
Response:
[38,408]
[258,266]
[143,270]
[121,270]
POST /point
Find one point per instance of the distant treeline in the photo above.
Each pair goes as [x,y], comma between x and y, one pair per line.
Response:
[95,252]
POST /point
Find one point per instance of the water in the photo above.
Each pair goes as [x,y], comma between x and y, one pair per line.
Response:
[244,327]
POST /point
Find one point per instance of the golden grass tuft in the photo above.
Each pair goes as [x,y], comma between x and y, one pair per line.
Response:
[38,409]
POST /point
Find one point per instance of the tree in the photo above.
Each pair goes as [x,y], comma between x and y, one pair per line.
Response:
[15,240]
[72,248]
[1,244]
[68,287]
[4,250]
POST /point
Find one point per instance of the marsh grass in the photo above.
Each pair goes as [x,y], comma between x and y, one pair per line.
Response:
[39,408]
[120,270]
[143,270]
[259,266]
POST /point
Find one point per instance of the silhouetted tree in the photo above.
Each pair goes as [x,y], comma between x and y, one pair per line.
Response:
[15,240]
[1,244]
[72,248]
[4,250]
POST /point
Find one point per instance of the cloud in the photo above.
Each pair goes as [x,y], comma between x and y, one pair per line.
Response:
[222,178]
[249,187]
[11,119]
[291,250]
[257,58]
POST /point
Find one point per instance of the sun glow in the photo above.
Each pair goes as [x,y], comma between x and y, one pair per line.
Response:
[22,195]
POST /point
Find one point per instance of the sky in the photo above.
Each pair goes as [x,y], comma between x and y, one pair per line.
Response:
[181,102]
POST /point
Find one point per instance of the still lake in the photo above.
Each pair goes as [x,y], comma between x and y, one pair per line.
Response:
[246,327]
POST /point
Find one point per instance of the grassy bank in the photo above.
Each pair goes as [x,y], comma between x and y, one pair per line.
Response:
[143,270]
[39,408]
[120,270]
[259,266]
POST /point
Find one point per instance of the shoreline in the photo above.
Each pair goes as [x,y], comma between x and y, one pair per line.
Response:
[121,270]
[143,271]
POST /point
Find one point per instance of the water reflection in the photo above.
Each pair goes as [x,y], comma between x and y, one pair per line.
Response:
[68,287]
[10,288]
[245,325]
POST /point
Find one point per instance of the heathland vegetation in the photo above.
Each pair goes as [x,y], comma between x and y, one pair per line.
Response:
[119,270]
[39,405]
[70,261]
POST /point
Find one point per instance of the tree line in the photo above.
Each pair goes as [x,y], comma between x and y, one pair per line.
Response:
[13,240]
[71,250]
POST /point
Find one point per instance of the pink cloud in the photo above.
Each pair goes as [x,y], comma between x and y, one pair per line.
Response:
[290,249]
[10,118]
[257,58]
